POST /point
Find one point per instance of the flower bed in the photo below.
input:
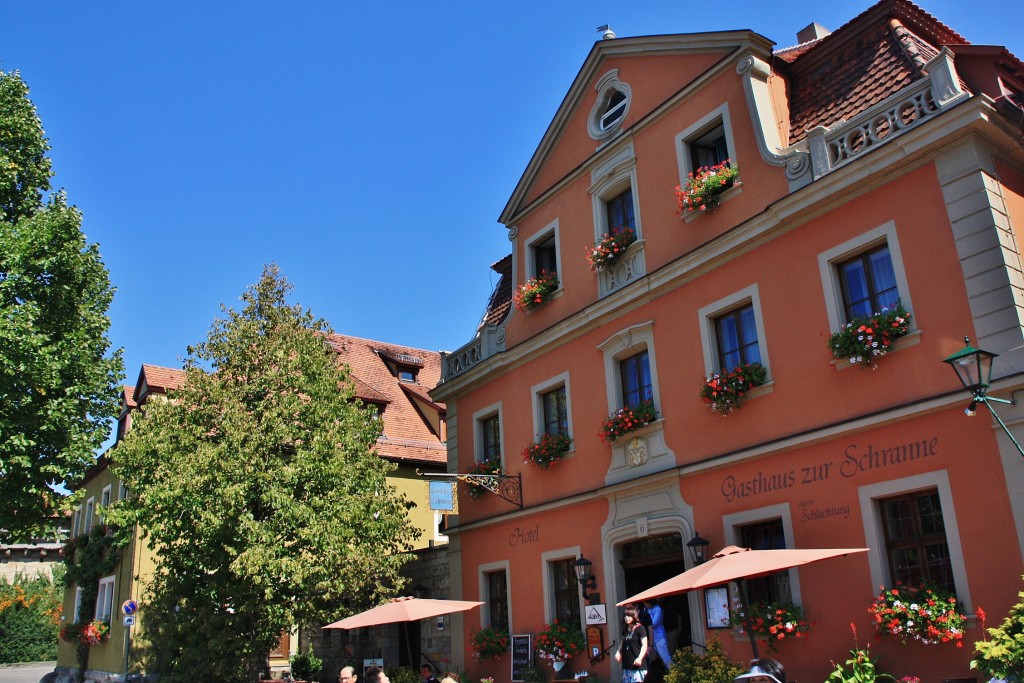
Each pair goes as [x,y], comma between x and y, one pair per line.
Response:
[626,420]
[550,448]
[610,248]
[559,641]
[535,291]
[862,339]
[724,392]
[918,614]
[492,466]
[702,189]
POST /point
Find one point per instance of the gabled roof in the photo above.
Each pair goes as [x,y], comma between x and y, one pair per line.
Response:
[881,51]
[500,303]
[725,42]
[409,413]
[157,379]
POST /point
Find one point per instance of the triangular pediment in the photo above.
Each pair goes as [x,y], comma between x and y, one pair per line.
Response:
[655,69]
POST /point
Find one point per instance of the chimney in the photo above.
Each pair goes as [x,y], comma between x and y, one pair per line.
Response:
[812,32]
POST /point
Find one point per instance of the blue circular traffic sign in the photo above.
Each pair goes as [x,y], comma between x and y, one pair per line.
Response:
[129,607]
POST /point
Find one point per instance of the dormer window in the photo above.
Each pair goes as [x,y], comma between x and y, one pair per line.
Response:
[611,107]
[406,374]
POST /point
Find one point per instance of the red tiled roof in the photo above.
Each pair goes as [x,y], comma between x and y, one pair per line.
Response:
[128,392]
[408,435]
[158,379]
[500,302]
[871,57]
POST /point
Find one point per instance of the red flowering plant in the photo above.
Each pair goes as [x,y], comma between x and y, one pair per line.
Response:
[493,466]
[862,339]
[701,191]
[918,614]
[559,641]
[550,448]
[607,250]
[488,643]
[626,420]
[535,291]
[86,633]
[774,622]
[724,391]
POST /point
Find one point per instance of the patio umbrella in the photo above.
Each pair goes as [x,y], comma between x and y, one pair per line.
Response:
[738,564]
[404,609]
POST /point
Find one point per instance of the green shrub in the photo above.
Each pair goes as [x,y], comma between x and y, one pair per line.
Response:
[401,674]
[30,610]
[1001,653]
[305,666]
[714,666]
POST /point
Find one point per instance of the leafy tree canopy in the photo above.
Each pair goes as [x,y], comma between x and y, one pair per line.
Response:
[259,487]
[58,378]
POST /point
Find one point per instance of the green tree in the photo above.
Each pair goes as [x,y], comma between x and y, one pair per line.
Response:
[30,609]
[1000,654]
[259,487]
[58,378]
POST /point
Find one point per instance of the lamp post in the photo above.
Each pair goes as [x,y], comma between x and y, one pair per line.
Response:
[587,580]
[973,367]
[698,548]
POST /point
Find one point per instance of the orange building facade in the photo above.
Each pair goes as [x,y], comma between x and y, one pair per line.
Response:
[880,164]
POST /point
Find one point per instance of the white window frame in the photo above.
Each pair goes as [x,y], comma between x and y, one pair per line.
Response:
[542,235]
[685,137]
[547,582]
[731,533]
[484,585]
[829,260]
[78,605]
[608,180]
[624,344]
[104,501]
[478,437]
[874,533]
[537,392]
[606,86]
[122,492]
[105,597]
[709,336]
[74,523]
[90,514]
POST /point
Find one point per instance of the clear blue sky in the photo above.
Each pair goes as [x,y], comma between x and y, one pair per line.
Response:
[367,148]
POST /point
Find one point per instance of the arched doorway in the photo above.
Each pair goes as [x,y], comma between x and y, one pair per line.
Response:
[649,561]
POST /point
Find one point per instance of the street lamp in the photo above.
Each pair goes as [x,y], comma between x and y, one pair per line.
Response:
[698,548]
[973,367]
[586,579]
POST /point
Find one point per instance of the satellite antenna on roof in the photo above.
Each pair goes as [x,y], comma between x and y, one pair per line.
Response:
[606,33]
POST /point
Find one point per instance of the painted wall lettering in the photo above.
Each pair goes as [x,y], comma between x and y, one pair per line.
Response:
[855,460]
[523,535]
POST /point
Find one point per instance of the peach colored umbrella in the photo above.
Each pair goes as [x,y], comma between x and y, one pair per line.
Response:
[737,564]
[404,609]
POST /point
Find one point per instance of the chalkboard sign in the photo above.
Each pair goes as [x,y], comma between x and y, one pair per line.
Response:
[522,656]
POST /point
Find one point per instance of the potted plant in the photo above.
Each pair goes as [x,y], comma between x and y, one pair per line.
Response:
[535,291]
[711,666]
[488,643]
[723,392]
[862,339]
[86,633]
[918,614]
[862,669]
[607,250]
[491,466]
[305,666]
[626,420]
[774,622]
[700,193]
[559,642]
[550,448]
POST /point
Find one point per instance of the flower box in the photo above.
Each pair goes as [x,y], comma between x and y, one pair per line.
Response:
[921,614]
[723,392]
[535,291]
[488,643]
[559,642]
[608,251]
[863,339]
[702,191]
[626,420]
[549,449]
[492,466]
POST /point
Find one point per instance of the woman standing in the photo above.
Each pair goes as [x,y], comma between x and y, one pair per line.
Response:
[633,652]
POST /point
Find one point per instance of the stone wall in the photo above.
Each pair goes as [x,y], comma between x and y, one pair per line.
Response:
[28,559]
